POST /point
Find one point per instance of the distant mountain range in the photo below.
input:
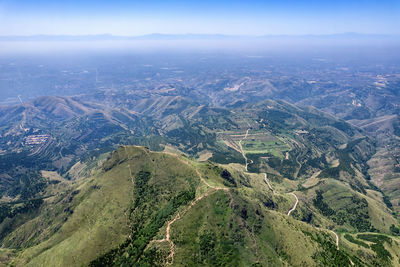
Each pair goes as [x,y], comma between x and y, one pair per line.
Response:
[189,36]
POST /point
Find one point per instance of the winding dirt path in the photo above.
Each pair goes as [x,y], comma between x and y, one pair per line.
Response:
[241,148]
[337,239]
[170,258]
[295,204]
[196,170]
[269,185]
[276,193]
[129,166]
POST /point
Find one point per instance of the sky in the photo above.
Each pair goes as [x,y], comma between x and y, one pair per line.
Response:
[233,17]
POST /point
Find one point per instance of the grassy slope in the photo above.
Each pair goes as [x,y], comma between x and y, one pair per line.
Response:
[96,225]
[243,225]
[261,237]
[264,235]
[99,221]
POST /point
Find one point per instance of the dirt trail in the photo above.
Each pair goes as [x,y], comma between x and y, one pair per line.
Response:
[331,231]
[276,193]
[337,239]
[23,121]
[226,189]
[129,166]
[170,258]
[241,148]
[196,170]
[269,185]
[299,168]
[295,204]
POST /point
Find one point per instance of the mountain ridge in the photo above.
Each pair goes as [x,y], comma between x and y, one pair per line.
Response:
[226,198]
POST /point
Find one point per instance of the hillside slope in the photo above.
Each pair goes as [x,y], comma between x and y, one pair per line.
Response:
[156,208]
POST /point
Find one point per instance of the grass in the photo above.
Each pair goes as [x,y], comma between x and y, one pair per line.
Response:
[99,221]
[257,142]
[95,226]
[378,245]
[356,241]
[254,146]
[352,211]
[238,238]
[162,185]
[195,237]
[5,256]
[245,225]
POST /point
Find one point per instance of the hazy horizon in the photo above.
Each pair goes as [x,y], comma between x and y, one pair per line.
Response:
[254,17]
[216,35]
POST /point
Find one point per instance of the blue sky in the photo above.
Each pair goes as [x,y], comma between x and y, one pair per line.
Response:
[246,17]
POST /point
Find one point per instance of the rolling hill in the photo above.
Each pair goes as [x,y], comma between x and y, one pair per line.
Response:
[156,208]
[266,183]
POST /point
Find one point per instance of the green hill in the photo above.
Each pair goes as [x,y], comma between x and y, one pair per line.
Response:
[150,208]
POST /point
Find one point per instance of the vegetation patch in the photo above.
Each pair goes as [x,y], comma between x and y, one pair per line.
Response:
[355,241]
[154,204]
[378,245]
[321,205]
[254,146]
[329,255]
[354,211]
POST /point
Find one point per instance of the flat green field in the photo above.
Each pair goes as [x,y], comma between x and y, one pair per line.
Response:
[254,146]
[257,142]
